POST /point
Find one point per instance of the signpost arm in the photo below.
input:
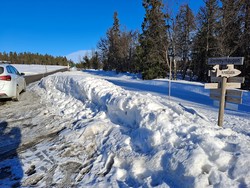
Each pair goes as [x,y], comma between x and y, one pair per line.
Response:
[222,101]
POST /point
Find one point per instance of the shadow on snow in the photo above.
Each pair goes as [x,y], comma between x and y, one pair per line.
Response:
[11,171]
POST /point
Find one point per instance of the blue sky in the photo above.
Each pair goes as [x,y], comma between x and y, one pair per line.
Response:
[60,27]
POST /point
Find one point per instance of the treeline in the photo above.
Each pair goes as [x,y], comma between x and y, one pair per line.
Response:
[31,58]
[90,62]
[179,44]
[118,48]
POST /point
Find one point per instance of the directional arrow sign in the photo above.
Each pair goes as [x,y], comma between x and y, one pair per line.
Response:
[226,61]
[230,72]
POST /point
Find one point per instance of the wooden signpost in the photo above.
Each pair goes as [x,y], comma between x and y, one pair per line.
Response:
[230,79]
[226,61]
[224,82]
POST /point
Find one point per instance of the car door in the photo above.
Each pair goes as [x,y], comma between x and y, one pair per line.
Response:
[1,82]
[17,77]
[13,82]
[20,78]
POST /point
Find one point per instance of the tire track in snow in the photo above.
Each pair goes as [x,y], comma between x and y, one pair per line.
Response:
[35,126]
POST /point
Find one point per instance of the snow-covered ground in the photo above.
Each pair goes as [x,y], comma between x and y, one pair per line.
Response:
[37,69]
[128,132]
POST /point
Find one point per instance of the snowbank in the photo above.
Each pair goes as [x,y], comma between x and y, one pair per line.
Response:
[134,140]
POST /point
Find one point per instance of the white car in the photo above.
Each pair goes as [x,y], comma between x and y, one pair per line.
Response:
[12,83]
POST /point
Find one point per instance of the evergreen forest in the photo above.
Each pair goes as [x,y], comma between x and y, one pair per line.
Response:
[179,45]
[31,58]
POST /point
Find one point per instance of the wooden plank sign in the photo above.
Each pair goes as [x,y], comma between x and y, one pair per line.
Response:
[231,79]
[215,91]
[233,96]
[236,79]
[230,99]
[232,106]
[211,86]
[226,61]
[234,100]
[214,96]
[233,85]
[229,106]
[217,85]
[215,79]
[235,93]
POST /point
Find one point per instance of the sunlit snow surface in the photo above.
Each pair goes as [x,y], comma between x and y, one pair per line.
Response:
[36,69]
[132,134]
[142,139]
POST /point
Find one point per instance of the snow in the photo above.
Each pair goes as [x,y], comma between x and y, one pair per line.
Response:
[132,134]
[36,69]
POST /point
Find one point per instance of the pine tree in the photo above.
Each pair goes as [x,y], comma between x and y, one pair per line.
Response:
[95,61]
[172,46]
[114,35]
[110,46]
[128,41]
[87,62]
[206,42]
[154,41]
[230,29]
[185,23]
[132,50]
[245,12]
[117,48]
[103,46]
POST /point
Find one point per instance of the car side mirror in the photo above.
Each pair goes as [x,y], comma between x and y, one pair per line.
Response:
[22,74]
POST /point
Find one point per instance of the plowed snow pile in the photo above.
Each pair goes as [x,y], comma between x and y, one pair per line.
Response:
[131,139]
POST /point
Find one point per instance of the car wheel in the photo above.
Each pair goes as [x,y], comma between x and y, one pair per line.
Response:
[17,98]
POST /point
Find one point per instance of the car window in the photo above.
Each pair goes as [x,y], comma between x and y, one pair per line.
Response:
[15,70]
[9,70]
[12,70]
[1,70]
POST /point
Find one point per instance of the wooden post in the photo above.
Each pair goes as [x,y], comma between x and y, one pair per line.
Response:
[222,101]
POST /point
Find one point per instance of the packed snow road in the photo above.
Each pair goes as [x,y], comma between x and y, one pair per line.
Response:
[33,153]
[25,125]
[76,130]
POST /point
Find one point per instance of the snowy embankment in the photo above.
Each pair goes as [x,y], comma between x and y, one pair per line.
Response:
[137,141]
